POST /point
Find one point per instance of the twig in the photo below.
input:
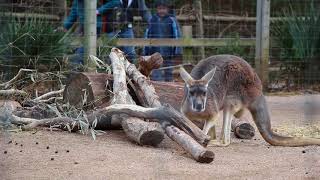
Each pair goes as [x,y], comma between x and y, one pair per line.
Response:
[20,120]
[50,99]
[21,71]
[65,121]
[49,94]
[13,92]
[176,66]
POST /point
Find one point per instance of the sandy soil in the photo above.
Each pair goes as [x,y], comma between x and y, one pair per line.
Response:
[112,156]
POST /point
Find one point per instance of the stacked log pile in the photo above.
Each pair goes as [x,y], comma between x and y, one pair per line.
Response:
[126,99]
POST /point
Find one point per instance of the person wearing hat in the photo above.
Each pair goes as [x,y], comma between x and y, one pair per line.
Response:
[163,24]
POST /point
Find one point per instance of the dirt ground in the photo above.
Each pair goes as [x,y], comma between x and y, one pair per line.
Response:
[62,155]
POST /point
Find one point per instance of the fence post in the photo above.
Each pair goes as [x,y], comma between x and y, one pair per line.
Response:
[90,33]
[187,51]
[61,8]
[200,29]
[262,41]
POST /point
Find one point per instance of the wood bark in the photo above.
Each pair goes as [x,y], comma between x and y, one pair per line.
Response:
[189,144]
[144,133]
[148,63]
[242,128]
[88,90]
[9,105]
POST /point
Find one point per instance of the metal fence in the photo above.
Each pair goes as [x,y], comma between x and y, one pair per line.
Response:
[208,27]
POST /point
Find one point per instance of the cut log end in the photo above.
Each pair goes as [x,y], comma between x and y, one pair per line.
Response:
[244,131]
[152,138]
[206,157]
[87,90]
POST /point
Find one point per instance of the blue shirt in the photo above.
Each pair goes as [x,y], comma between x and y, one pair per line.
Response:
[165,27]
[77,13]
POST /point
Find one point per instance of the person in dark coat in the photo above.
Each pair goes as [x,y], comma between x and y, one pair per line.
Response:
[119,20]
[163,25]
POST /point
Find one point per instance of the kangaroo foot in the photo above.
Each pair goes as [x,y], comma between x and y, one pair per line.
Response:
[217,143]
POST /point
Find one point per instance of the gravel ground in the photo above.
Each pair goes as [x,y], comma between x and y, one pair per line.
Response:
[62,155]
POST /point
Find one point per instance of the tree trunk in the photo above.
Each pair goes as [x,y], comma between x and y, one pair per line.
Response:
[144,133]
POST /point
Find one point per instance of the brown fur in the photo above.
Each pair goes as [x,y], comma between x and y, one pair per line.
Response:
[234,87]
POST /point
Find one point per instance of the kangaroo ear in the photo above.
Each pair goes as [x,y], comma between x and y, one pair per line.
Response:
[207,78]
[185,76]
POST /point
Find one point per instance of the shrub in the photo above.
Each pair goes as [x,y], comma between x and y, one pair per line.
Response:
[298,35]
[32,42]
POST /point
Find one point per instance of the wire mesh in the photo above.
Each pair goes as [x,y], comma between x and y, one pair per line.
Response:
[36,34]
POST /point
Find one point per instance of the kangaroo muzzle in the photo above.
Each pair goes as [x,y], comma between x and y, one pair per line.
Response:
[198,106]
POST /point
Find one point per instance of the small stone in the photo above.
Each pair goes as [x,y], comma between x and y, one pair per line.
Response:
[268,147]
[56,152]
[307,173]
[9,142]
[5,152]
[52,159]
[37,143]
[68,151]
[16,143]
[303,151]
[21,145]
[47,147]
[20,151]
[76,163]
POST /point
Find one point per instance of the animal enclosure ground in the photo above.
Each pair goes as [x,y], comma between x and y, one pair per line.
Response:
[63,155]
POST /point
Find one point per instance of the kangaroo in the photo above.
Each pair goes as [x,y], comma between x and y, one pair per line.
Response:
[229,84]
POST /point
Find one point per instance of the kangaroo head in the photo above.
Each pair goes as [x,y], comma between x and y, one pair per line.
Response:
[196,95]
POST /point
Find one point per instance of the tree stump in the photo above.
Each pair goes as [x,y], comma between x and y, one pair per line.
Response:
[88,90]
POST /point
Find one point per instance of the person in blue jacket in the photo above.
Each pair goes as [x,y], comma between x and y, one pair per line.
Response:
[77,15]
[119,20]
[163,25]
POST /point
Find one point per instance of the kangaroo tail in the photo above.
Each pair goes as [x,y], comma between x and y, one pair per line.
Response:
[260,114]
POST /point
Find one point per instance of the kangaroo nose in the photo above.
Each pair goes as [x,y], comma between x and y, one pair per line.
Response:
[199,107]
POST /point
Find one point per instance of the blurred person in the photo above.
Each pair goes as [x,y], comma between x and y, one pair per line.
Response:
[77,15]
[163,24]
[119,21]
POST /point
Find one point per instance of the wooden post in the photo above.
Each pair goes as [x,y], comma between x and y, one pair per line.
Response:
[262,41]
[187,51]
[200,30]
[61,8]
[90,33]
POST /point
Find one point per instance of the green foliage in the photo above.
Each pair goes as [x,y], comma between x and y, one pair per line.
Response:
[298,33]
[32,42]
[233,46]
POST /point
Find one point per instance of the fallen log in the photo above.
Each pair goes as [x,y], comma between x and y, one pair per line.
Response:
[144,133]
[242,128]
[197,151]
[88,90]
[9,105]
